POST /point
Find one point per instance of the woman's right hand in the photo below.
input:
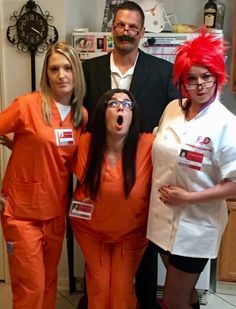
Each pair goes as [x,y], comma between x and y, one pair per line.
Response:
[174,196]
[7,140]
[2,202]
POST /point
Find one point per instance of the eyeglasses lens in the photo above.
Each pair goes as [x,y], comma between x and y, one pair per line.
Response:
[128,105]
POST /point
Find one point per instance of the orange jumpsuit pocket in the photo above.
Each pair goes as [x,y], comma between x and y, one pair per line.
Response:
[21,236]
[28,194]
[11,228]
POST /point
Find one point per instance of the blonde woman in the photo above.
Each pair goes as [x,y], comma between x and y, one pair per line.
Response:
[46,127]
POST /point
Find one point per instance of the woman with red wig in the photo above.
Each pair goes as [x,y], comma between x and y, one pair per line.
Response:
[194,170]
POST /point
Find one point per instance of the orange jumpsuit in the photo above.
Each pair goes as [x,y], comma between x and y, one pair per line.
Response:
[113,241]
[36,189]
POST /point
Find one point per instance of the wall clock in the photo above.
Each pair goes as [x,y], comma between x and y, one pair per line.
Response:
[32,28]
[32,32]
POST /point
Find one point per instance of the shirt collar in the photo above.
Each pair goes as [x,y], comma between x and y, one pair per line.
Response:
[115,69]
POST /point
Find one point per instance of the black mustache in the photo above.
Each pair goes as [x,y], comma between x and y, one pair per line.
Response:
[125,38]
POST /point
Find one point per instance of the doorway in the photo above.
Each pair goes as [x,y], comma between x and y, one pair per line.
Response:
[4,275]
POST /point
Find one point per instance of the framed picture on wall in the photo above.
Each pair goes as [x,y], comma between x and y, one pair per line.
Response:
[109,13]
[84,43]
[92,44]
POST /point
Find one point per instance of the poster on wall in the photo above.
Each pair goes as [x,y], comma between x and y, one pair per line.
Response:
[109,13]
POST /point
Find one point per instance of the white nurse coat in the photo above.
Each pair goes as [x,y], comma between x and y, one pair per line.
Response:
[195,155]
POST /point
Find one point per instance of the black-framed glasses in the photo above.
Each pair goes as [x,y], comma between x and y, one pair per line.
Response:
[192,82]
[120,27]
[127,104]
[205,85]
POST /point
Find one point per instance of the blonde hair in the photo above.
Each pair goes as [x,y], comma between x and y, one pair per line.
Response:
[79,83]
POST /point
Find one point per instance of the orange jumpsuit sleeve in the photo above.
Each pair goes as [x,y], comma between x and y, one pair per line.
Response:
[70,165]
[12,118]
[80,160]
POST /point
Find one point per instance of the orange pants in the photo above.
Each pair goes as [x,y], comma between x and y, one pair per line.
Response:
[34,249]
[110,270]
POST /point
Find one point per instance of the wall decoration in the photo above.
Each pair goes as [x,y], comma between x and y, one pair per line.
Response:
[85,43]
[91,44]
[108,14]
[31,31]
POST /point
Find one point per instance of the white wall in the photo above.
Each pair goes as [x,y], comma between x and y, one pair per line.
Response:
[76,12]
[16,65]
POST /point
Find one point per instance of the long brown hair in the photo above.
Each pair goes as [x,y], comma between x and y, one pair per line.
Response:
[98,145]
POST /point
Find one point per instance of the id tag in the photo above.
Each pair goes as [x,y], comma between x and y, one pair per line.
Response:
[81,210]
[191,159]
[64,137]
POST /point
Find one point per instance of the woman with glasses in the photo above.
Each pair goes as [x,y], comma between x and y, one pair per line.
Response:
[112,199]
[194,170]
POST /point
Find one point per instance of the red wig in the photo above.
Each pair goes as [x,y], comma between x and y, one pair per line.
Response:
[207,50]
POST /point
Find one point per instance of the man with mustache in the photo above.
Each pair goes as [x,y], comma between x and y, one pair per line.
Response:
[150,81]
[147,77]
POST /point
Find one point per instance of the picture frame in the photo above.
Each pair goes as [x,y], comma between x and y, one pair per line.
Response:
[84,42]
[110,5]
[92,44]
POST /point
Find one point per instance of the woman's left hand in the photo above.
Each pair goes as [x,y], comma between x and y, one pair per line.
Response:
[175,196]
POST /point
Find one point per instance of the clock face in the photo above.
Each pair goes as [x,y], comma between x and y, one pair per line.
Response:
[32,28]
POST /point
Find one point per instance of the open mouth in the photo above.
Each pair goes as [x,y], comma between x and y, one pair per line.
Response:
[119,120]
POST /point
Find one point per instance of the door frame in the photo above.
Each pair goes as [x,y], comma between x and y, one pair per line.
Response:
[4,274]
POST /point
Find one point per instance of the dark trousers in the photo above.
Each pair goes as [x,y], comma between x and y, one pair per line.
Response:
[146,279]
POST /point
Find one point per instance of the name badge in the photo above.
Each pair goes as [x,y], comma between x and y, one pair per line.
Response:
[81,210]
[64,137]
[191,159]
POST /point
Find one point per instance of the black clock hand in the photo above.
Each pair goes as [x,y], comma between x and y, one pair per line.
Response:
[35,30]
